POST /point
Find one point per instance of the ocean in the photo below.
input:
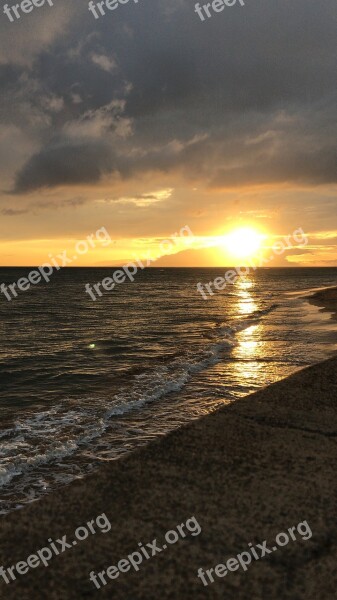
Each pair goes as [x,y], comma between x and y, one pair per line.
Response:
[85,382]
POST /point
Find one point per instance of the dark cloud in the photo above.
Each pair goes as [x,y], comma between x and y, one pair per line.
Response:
[248,96]
[12,212]
[35,207]
[65,164]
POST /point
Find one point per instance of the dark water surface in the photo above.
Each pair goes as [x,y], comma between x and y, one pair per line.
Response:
[83,382]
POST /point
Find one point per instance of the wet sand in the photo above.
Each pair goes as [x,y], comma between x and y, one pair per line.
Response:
[247,472]
[326,299]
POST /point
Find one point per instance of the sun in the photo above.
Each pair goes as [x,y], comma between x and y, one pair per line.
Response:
[242,242]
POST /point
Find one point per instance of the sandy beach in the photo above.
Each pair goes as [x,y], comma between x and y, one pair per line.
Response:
[246,473]
[326,299]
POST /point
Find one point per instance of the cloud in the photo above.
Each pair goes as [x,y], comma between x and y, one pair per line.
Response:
[104,62]
[23,40]
[45,204]
[12,212]
[65,164]
[141,200]
[246,98]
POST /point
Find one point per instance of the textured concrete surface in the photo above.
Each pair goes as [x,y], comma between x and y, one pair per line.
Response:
[246,473]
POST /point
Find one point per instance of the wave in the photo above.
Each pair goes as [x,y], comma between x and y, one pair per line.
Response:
[50,436]
[241,324]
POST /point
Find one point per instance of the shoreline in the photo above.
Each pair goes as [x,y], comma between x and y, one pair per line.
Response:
[326,299]
[246,472]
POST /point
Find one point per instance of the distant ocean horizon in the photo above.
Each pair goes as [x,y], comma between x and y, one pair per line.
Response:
[85,382]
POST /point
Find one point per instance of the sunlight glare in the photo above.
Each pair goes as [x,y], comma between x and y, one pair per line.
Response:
[242,242]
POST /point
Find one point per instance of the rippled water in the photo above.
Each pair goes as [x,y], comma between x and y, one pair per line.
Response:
[84,382]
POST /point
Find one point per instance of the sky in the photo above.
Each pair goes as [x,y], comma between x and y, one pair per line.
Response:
[148,119]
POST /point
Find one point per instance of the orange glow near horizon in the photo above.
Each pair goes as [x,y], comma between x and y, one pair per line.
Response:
[222,247]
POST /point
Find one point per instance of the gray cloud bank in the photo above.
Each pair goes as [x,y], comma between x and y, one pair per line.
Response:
[247,97]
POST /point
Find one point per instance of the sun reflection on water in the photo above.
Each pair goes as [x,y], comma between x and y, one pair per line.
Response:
[245,304]
[250,347]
